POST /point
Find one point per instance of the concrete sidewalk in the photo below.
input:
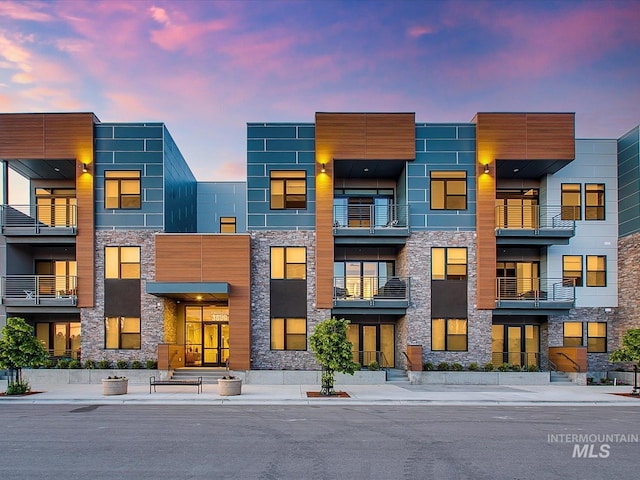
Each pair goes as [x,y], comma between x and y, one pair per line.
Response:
[382,394]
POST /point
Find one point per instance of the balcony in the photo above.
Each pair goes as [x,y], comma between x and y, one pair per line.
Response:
[532,225]
[391,294]
[26,220]
[384,223]
[552,296]
[44,290]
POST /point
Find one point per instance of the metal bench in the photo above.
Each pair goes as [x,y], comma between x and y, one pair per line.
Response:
[153,383]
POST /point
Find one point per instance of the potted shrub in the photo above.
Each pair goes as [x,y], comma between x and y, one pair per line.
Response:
[229,385]
[114,385]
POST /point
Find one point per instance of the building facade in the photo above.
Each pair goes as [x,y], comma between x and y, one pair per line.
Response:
[503,240]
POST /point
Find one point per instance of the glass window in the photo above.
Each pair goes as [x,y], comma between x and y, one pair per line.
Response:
[594,201]
[122,189]
[572,270]
[122,262]
[449,334]
[227,224]
[448,263]
[288,190]
[122,333]
[596,337]
[570,201]
[449,190]
[288,334]
[596,271]
[572,336]
[288,263]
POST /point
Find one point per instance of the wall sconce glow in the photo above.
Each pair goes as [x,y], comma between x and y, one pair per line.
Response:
[199,297]
[323,169]
[84,168]
[486,168]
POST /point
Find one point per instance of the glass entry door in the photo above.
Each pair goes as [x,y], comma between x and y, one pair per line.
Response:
[372,343]
[206,336]
[216,344]
[515,344]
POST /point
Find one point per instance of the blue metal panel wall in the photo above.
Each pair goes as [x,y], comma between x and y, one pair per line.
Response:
[130,146]
[629,182]
[221,199]
[180,190]
[279,146]
[444,147]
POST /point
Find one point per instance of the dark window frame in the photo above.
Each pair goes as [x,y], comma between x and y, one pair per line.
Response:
[596,211]
[445,181]
[118,180]
[566,343]
[286,263]
[227,221]
[121,263]
[448,337]
[603,273]
[448,265]
[570,212]
[572,280]
[594,348]
[286,179]
[120,322]
[286,336]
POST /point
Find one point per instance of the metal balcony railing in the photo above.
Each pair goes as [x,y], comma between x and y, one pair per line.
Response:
[38,218]
[532,217]
[371,288]
[371,216]
[535,289]
[39,289]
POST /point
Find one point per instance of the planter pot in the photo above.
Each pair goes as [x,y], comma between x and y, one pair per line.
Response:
[229,386]
[114,386]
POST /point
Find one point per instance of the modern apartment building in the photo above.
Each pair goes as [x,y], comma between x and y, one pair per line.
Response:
[504,240]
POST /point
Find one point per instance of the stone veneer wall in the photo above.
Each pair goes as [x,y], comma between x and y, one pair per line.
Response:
[628,291]
[170,321]
[152,308]
[595,361]
[415,262]
[262,357]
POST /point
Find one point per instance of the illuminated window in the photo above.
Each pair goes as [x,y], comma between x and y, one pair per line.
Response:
[596,337]
[572,270]
[288,263]
[572,335]
[288,190]
[122,262]
[594,201]
[448,263]
[122,189]
[227,224]
[570,201]
[288,334]
[122,333]
[449,190]
[596,271]
[449,334]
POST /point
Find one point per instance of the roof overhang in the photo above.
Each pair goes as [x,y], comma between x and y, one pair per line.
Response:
[190,291]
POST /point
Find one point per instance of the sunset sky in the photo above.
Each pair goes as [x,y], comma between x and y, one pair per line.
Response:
[206,68]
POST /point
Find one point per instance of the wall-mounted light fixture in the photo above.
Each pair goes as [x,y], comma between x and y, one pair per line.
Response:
[486,168]
[323,169]
[84,168]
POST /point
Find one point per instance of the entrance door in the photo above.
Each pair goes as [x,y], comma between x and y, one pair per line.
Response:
[515,344]
[216,344]
[372,343]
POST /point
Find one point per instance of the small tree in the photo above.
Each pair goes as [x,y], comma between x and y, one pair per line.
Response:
[630,350]
[333,351]
[19,349]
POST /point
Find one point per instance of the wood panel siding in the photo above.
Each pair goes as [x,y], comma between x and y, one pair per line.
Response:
[214,258]
[60,136]
[351,136]
[510,136]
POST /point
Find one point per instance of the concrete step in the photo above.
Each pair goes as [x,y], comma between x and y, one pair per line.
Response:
[559,377]
[209,375]
[397,375]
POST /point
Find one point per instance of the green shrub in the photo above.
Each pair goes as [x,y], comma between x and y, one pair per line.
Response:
[18,387]
[427,366]
[49,363]
[104,364]
[443,366]
[515,368]
[75,364]
[136,364]
[63,363]
[488,367]
[504,367]
[151,364]
[474,367]
[122,364]
[89,364]
[373,366]
[532,368]
[457,367]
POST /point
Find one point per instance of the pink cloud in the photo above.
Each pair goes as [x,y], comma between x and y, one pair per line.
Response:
[15,54]
[420,30]
[24,11]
